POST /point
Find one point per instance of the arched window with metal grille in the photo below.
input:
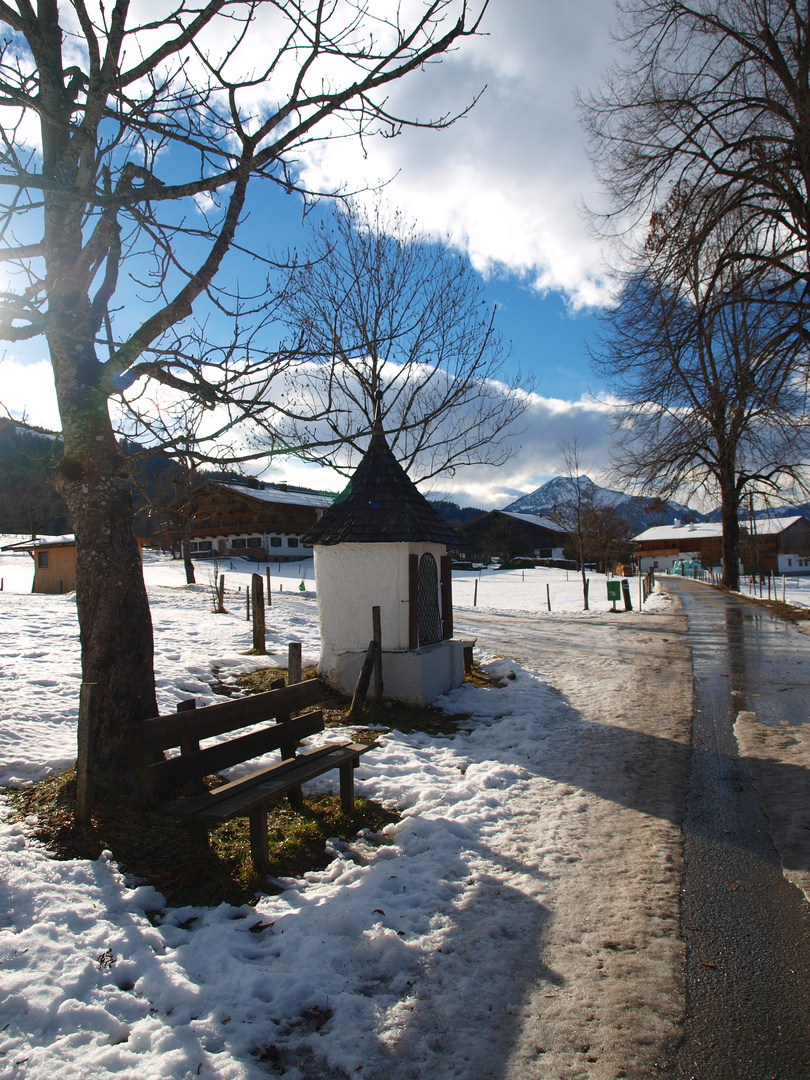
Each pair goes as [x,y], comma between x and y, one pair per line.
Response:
[429,616]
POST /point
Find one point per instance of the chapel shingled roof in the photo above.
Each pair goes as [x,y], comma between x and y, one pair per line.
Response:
[381,505]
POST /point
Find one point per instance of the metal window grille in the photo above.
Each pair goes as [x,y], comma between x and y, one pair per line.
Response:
[427,605]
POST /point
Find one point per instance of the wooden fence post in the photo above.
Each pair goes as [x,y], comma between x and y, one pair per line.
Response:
[221,595]
[257,588]
[294,662]
[269,590]
[548,596]
[363,680]
[377,630]
[247,604]
[84,760]
[447,597]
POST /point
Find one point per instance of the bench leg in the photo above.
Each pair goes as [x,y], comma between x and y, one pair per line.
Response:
[295,798]
[198,832]
[258,840]
[347,787]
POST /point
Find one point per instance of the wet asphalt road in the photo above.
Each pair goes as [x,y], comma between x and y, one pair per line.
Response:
[747,929]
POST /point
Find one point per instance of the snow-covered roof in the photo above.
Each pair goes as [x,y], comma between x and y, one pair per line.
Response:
[707,530]
[535,519]
[699,530]
[40,542]
[771,526]
[279,495]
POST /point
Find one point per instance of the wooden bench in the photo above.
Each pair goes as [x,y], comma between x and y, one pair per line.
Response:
[250,795]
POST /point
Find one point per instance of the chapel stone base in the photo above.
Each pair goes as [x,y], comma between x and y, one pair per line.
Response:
[416,676]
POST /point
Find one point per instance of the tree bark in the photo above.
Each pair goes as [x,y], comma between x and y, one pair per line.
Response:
[185,545]
[730,517]
[115,623]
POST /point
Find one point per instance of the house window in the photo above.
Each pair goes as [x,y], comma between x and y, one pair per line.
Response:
[254,541]
[201,545]
[275,541]
[292,541]
[238,542]
[42,559]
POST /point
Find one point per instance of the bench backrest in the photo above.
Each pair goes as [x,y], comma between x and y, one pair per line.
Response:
[189,725]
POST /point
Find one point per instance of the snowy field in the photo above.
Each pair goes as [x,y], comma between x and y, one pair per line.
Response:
[417,953]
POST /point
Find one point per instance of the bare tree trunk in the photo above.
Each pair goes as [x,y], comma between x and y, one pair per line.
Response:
[185,544]
[114,618]
[729,516]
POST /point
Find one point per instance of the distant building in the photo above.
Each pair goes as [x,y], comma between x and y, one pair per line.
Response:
[239,519]
[54,561]
[773,545]
[507,534]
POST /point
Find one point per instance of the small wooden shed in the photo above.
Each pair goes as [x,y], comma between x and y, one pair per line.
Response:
[54,562]
[381,544]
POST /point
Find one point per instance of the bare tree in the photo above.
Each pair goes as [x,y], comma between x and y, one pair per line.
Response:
[572,514]
[713,98]
[380,307]
[128,150]
[712,377]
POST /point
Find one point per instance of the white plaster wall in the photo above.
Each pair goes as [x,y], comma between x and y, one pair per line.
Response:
[418,676]
[350,580]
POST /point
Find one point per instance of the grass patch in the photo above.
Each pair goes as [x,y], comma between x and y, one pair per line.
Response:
[396,715]
[158,850]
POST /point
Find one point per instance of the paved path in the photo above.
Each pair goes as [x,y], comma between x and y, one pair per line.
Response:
[736,1002]
[610,935]
[747,929]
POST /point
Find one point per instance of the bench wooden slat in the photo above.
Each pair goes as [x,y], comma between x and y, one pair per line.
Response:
[162,732]
[190,806]
[271,790]
[165,775]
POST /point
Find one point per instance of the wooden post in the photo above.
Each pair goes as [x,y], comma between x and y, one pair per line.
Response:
[269,590]
[363,680]
[548,596]
[294,662]
[84,760]
[413,601]
[447,597]
[475,593]
[247,604]
[257,589]
[628,603]
[377,631]
[783,587]
[221,595]
[258,839]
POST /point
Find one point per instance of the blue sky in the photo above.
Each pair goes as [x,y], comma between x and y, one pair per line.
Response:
[506,185]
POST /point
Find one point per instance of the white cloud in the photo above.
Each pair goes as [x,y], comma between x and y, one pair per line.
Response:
[27,393]
[507,181]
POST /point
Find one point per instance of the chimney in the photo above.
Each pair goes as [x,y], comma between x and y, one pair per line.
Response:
[676,523]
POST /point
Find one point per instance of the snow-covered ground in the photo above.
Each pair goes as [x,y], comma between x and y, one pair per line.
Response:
[520,920]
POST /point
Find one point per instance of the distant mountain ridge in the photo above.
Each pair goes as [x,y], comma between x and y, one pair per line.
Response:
[640,513]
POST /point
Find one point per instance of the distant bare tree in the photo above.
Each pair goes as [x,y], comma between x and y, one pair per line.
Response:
[712,98]
[378,306]
[711,374]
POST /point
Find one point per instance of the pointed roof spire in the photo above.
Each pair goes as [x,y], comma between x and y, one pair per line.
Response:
[381,504]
